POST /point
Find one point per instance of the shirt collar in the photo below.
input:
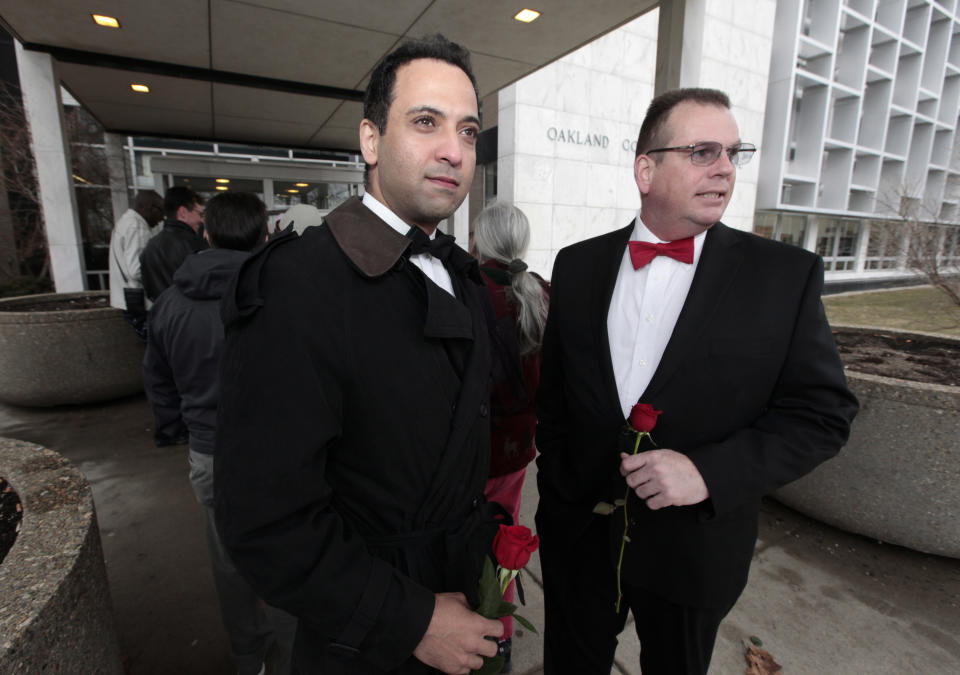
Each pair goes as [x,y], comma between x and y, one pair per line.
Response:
[642,233]
[388,216]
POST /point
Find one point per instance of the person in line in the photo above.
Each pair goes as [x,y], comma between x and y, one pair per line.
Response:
[501,234]
[725,334]
[180,377]
[127,241]
[182,234]
[354,423]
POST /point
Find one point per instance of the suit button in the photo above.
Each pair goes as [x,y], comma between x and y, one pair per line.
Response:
[483,410]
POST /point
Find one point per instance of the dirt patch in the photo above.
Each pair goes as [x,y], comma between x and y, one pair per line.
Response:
[916,358]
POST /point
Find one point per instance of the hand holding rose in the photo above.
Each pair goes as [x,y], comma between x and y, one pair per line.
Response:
[663,478]
[455,641]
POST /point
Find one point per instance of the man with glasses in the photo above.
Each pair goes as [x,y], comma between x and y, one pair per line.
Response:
[181,235]
[724,333]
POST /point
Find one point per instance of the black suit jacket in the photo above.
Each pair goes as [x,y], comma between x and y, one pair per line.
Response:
[750,385]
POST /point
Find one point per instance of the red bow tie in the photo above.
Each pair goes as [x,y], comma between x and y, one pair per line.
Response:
[642,252]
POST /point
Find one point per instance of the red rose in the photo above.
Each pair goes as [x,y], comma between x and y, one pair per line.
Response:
[643,417]
[513,545]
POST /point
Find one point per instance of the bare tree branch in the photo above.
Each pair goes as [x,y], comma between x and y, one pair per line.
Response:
[927,246]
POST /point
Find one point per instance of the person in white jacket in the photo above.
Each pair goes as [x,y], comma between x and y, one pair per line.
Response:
[130,235]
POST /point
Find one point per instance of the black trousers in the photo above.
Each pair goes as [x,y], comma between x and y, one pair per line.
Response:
[581,624]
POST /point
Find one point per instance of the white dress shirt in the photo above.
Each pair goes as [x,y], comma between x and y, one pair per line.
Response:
[432,267]
[643,312]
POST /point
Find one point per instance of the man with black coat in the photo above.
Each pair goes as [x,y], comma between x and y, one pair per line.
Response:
[724,333]
[180,377]
[181,235]
[354,425]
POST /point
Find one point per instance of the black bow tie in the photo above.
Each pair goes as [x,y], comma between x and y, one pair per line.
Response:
[439,247]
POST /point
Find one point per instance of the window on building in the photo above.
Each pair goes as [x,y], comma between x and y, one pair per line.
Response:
[951,247]
[765,224]
[837,243]
[790,228]
[885,246]
[793,229]
[490,183]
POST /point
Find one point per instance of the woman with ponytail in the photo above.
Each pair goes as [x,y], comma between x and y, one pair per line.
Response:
[520,299]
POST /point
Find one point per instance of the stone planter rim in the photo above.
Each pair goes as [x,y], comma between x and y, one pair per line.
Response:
[10,314]
[869,488]
[55,608]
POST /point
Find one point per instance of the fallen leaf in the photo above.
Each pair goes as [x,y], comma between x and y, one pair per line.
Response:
[760,662]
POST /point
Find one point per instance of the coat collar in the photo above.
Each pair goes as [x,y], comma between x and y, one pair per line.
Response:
[373,247]
[174,224]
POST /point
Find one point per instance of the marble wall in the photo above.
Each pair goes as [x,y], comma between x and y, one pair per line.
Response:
[567,132]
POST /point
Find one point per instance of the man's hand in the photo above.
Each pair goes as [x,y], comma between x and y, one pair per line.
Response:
[663,478]
[456,637]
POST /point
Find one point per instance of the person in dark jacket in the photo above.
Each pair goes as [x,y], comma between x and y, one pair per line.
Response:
[181,235]
[354,423]
[180,376]
[520,299]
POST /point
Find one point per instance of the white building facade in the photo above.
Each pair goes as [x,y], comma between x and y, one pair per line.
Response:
[853,104]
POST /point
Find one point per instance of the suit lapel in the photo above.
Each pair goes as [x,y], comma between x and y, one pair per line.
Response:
[606,279]
[719,261]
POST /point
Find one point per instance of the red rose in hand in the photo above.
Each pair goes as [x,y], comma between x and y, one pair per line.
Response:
[643,417]
[513,545]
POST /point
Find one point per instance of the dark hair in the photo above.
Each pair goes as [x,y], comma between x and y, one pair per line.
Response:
[379,94]
[179,196]
[145,202]
[146,199]
[654,123]
[236,220]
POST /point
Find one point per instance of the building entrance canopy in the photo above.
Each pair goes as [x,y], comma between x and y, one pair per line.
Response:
[279,72]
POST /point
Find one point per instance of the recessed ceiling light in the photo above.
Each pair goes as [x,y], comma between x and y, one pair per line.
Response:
[293,192]
[142,88]
[223,180]
[222,187]
[526,15]
[105,21]
[301,184]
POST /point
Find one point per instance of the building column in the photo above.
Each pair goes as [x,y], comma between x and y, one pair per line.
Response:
[862,245]
[159,183]
[58,203]
[458,224]
[116,167]
[812,233]
[268,193]
[679,44]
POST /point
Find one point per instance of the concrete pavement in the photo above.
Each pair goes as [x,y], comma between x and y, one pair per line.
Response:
[821,600]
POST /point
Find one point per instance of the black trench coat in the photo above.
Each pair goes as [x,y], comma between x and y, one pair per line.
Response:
[353,439]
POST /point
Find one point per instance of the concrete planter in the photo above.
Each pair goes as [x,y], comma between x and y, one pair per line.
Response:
[898,477]
[66,356]
[55,609]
